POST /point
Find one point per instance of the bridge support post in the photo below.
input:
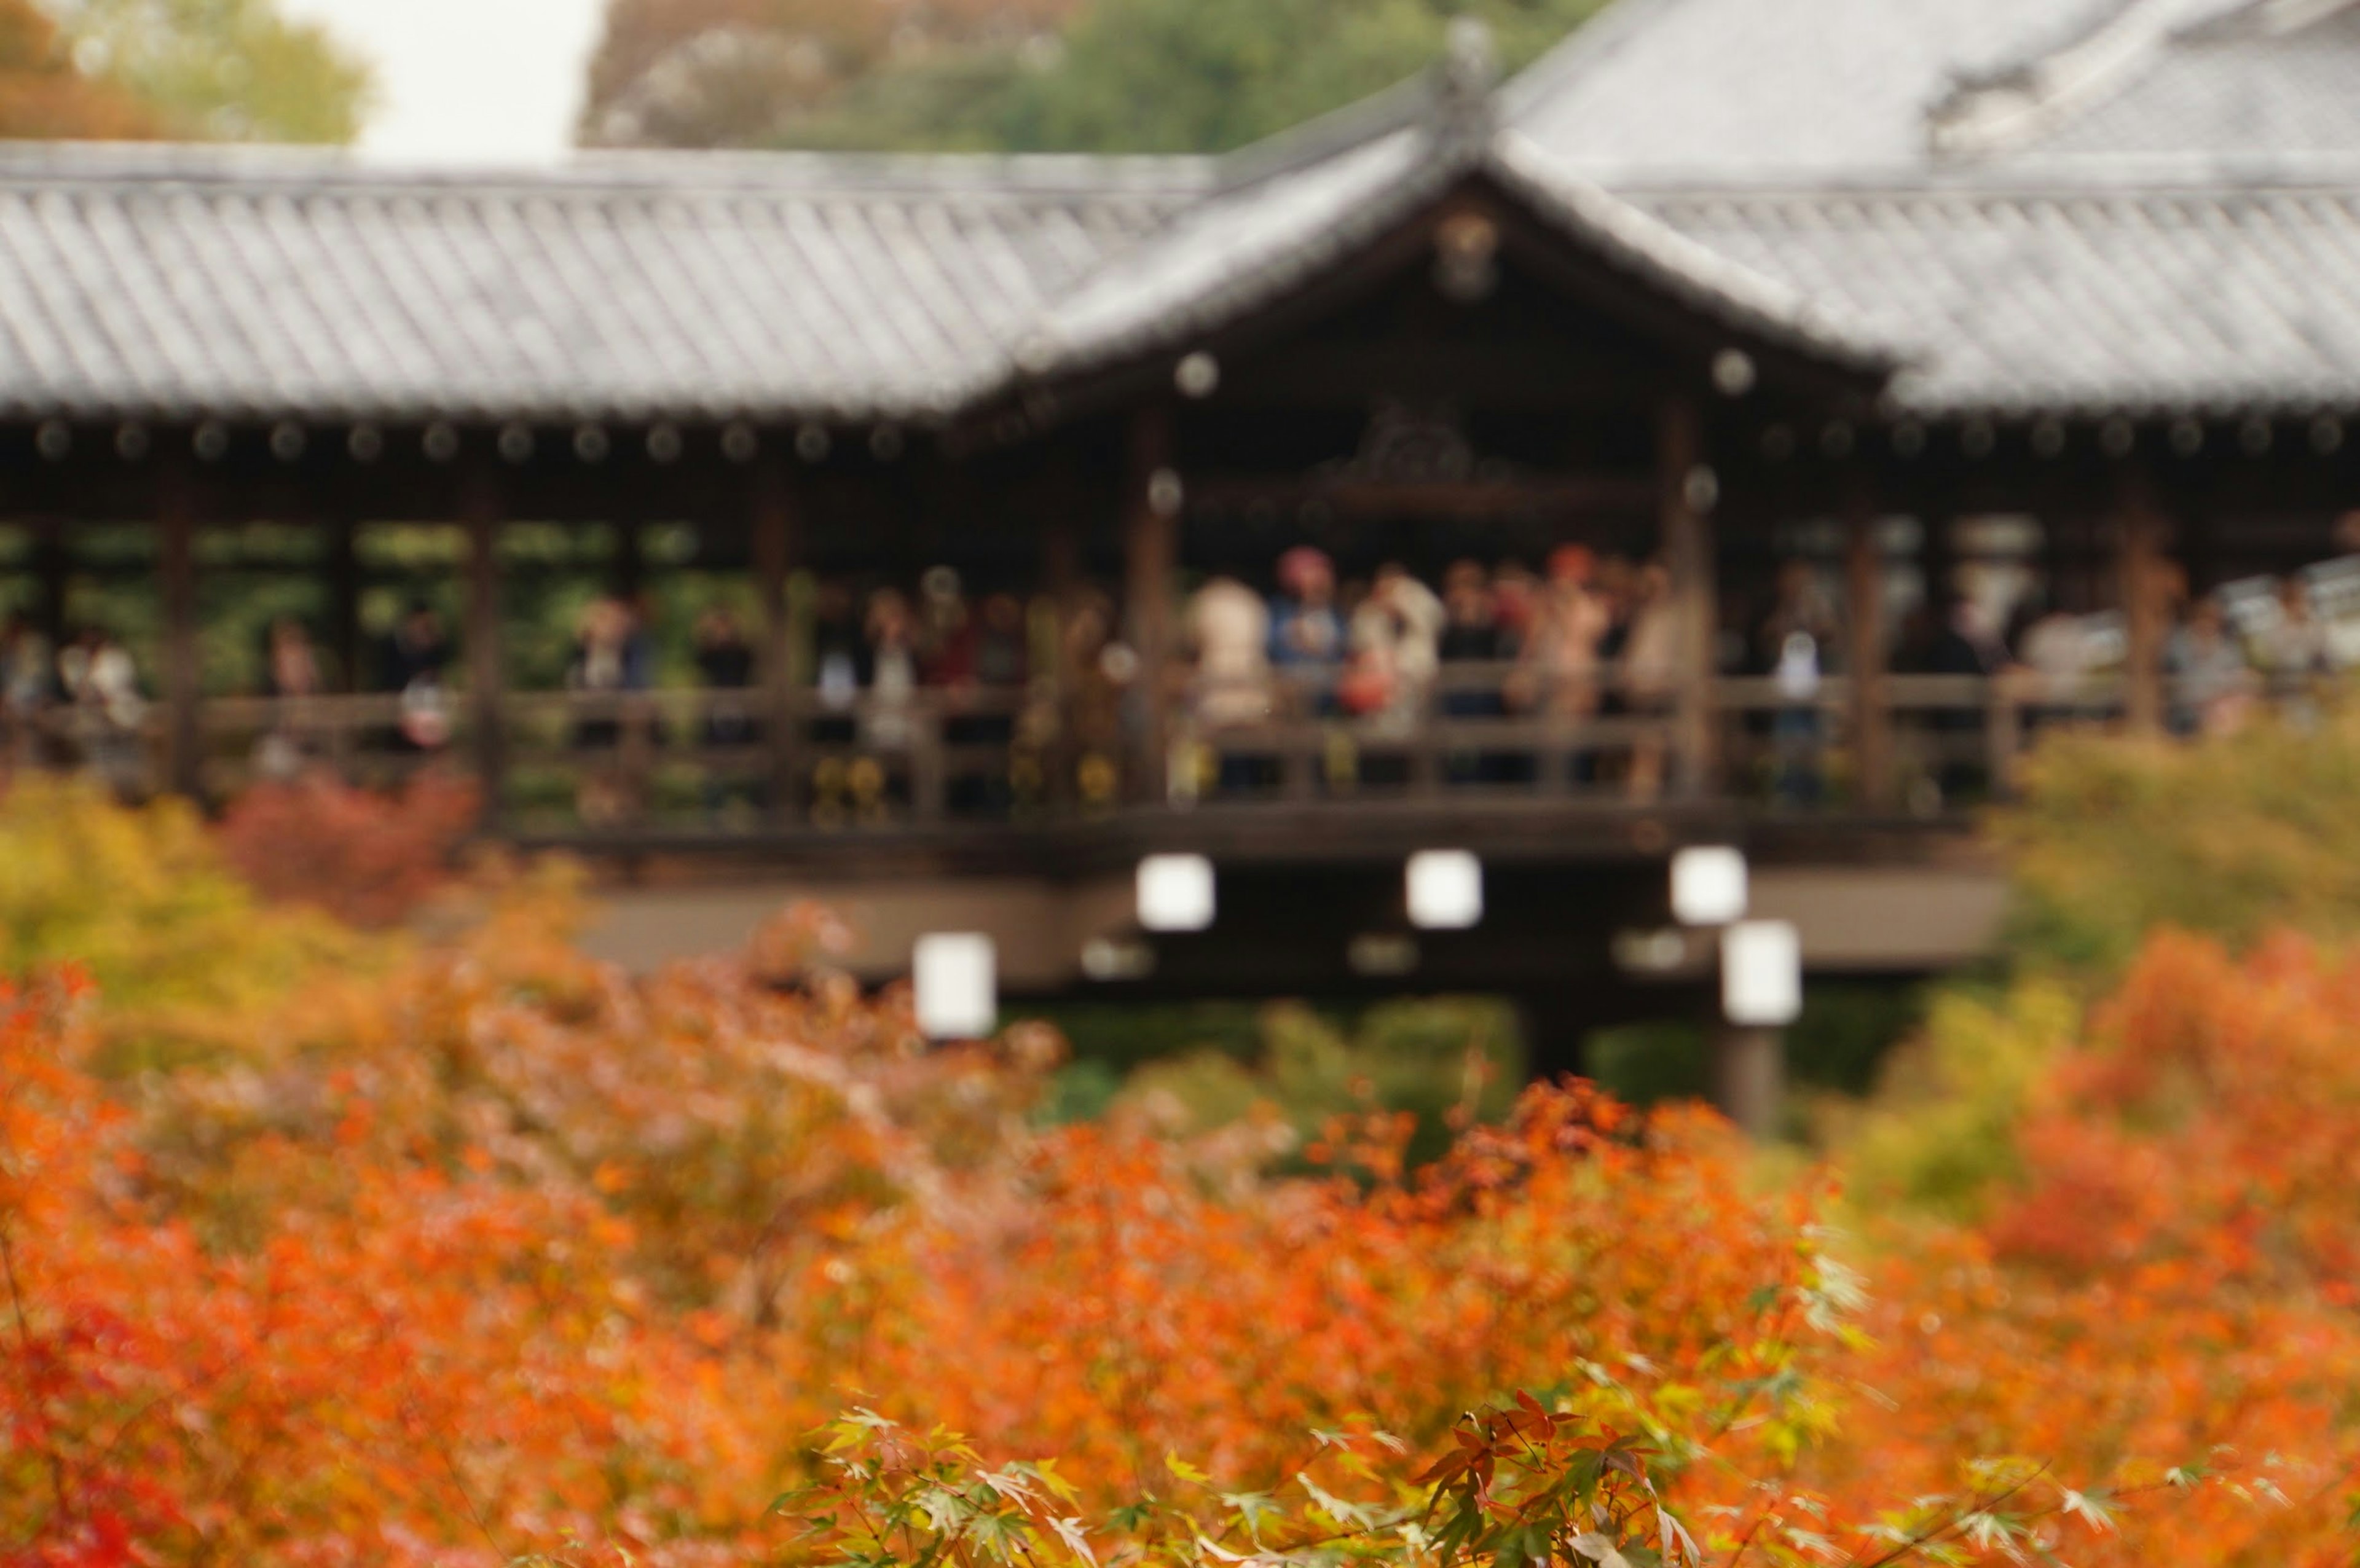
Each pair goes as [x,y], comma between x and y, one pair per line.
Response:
[2145,586]
[1556,1030]
[1867,654]
[1685,486]
[176,571]
[774,562]
[1746,1073]
[480,510]
[1152,547]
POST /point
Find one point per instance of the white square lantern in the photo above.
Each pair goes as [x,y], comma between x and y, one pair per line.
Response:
[1762,974]
[1709,886]
[1177,893]
[956,977]
[1446,890]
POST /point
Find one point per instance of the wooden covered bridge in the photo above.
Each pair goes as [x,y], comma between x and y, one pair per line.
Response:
[1877,302]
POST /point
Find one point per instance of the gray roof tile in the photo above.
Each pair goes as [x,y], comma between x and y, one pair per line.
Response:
[169,281]
[2065,300]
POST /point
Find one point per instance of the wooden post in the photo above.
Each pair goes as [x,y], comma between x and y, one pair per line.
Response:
[344,626]
[175,570]
[480,509]
[1683,485]
[2140,531]
[774,547]
[1868,649]
[1151,540]
[53,564]
[1747,1068]
[1061,581]
[630,565]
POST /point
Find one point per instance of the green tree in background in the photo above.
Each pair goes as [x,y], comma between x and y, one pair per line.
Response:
[218,70]
[1047,75]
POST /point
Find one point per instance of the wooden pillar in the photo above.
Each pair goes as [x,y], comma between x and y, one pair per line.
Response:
[1868,647]
[774,549]
[1152,547]
[1685,487]
[630,563]
[2145,584]
[344,628]
[183,674]
[481,510]
[53,565]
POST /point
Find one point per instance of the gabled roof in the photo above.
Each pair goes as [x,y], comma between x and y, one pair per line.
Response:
[1282,221]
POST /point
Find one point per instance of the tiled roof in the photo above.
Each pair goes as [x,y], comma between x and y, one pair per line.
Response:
[231,283]
[2071,299]
[2242,91]
[1715,90]
[1252,241]
[2083,264]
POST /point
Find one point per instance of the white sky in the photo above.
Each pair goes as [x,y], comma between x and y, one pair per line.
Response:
[468,80]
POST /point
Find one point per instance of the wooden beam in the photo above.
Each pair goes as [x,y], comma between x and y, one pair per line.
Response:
[1151,548]
[1690,560]
[1868,647]
[2144,577]
[482,510]
[775,546]
[184,682]
[1579,495]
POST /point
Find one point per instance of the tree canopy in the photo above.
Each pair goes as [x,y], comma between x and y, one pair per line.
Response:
[1039,75]
[180,70]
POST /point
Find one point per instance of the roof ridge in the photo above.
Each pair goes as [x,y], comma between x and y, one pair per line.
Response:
[2269,17]
[1991,110]
[115,164]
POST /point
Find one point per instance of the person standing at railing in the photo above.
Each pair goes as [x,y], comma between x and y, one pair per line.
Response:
[1401,622]
[292,678]
[725,668]
[2211,681]
[415,665]
[1793,643]
[1469,648]
[606,668]
[2294,653]
[1560,673]
[28,691]
[1099,672]
[1650,674]
[1961,646]
[1306,635]
[1229,626]
[100,683]
[889,720]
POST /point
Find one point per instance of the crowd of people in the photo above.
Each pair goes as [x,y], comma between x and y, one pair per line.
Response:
[1053,690]
[77,702]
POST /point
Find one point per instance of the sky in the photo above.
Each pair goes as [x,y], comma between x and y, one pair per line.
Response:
[468,80]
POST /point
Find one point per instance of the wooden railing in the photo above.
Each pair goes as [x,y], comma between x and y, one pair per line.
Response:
[1477,734]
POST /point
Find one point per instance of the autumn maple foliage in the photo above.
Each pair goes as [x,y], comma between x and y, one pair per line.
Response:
[367,857]
[481,1250]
